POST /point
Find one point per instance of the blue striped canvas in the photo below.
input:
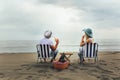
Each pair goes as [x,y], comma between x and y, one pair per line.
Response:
[43,50]
[90,50]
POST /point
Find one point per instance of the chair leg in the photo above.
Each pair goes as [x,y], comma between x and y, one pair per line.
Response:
[38,60]
[45,60]
[96,60]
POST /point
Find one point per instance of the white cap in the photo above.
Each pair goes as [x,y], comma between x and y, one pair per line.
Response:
[48,34]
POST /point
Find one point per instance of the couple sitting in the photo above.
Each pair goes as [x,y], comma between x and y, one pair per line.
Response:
[86,38]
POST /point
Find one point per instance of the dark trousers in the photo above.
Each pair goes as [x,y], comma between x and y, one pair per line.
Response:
[54,54]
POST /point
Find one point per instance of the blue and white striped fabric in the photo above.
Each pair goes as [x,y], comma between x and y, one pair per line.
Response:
[43,50]
[90,50]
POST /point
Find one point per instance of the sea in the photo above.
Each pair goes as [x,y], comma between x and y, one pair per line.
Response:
[17,46]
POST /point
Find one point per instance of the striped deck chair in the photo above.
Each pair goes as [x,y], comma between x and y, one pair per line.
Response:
[90,51]
[43,51]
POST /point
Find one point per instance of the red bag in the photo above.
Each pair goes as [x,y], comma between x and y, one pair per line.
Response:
[60,65]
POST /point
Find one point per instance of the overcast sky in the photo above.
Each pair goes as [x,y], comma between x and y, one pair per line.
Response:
[28,19]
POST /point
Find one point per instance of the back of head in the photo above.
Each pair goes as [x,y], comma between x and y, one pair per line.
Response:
[88,32]
[47,34]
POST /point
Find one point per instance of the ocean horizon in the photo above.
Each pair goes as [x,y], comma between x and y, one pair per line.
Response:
[16,46]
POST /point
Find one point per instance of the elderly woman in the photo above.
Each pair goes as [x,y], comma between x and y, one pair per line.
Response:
[46,40]
[86,38]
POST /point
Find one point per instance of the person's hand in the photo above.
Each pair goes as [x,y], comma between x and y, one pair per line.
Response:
[57,40]
[83,38]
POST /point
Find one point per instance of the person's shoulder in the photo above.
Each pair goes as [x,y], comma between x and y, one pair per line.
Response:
[50,41]
[42,40]
[89,40]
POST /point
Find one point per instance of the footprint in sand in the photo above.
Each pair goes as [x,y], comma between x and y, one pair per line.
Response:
[73,70]
[62,78]
[26,67]
[50,74]
[104,70]
[1,75]
[76,67]
[117,68]
[102,61]
[103,64]
[116,59]
[94,70]
[117,78]
[112,63]
[17,69]
[95,73]
[42,71]
[29,78]
[104,77]
[83,68]
[99,75]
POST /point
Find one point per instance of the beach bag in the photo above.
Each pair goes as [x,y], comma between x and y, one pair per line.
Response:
[60,65]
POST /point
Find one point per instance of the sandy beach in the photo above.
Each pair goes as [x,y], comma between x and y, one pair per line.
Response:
[23,66]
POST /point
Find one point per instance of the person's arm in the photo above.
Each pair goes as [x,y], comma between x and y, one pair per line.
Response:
[82,41]
[53,47]
[87,41]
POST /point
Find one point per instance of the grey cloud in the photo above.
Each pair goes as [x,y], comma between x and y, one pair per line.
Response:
[14,18]
[19,20]
[101,13]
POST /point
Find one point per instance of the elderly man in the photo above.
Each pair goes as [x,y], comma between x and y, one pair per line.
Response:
[46,40]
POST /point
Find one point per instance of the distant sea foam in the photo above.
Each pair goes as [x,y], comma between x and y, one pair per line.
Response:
[15,46]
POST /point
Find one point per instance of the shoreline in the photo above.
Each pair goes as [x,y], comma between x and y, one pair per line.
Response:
[59,52]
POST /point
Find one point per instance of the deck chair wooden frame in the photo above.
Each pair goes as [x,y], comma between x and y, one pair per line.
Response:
[67,55]
[90,50]
[43,51]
